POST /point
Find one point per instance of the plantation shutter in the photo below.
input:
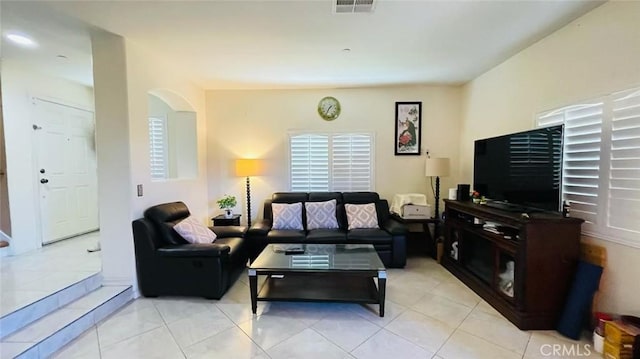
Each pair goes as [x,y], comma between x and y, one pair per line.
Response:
[581,162]
[602,164]
[331,162]
[309,166]
[624,174]
[351,165]
[158,147]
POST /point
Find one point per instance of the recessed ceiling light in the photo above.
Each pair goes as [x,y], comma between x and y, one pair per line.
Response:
[21,39]
[346,49]
[62,57]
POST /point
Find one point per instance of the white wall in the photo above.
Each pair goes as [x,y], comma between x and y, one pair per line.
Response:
[124,74]
[254,124]
[596,54]
[182,147]
[19,85]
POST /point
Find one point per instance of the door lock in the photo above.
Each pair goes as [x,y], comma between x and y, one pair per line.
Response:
[42,170]
[44,180]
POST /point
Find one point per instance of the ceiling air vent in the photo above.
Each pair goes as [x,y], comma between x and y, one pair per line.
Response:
[354,6]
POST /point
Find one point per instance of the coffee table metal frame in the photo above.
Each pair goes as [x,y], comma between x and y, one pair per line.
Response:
[319,284]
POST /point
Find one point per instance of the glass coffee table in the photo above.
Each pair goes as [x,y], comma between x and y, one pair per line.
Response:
[318,273]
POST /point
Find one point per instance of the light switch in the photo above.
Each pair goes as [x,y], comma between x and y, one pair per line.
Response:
[139,190]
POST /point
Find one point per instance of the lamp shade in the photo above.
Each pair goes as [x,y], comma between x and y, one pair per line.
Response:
[436,167]
[248,167]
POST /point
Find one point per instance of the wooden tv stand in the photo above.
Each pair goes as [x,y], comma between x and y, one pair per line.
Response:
[544,248]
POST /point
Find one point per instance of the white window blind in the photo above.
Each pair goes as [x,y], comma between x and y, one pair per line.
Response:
[331,162]
[601,164]
[309,166]
[158,147]
[624,174]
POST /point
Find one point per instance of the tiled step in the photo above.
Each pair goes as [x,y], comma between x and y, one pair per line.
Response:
[35,310]
[47,335]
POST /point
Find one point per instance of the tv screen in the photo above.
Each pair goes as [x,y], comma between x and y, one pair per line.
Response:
[523,169]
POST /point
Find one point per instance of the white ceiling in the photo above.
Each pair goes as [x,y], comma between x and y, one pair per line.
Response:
[293,44]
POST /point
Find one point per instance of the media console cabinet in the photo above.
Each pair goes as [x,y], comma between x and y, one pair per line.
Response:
[520,263]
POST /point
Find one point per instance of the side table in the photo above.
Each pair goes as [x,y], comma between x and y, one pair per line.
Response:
[221,220]
[431,240]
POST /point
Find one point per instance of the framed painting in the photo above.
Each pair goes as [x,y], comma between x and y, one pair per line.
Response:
[408,128]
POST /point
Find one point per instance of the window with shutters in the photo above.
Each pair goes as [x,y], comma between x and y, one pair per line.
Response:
[331,162]
[158,147]
[601,164]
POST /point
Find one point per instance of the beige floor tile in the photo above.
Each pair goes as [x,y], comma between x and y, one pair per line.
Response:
[176,308]
[385,345]
[239,312]
[487,308]
[422,330]
[307,313]
[231,343]
[457,292]
[442,309]
[267,331]
[133,320]
[404,294]
[197,327]
[346,329]
[307,344]
[31,276]
[157,343]
[462,345]
[238,293]
[551,344]
[371,312]
[496,330]
[228,329]
[85,346]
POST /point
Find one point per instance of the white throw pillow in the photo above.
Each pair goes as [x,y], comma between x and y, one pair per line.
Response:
[287,216]
[321,215]
[194,232]
[361,215]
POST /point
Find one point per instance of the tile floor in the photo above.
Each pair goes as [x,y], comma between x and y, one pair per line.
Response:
[429,314]
[29,277]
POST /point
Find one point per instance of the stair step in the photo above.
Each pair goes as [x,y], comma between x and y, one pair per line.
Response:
[49,334]
[17,319]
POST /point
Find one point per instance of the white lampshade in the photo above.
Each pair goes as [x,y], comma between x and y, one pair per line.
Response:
[436,167]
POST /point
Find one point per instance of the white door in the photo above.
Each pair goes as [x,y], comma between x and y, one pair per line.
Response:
[66,165]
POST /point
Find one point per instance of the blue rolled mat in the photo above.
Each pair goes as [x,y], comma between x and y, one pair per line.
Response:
[579,300]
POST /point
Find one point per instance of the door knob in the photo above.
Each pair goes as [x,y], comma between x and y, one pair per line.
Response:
[44,180]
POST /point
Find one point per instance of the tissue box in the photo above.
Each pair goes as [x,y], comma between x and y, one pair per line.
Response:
[413,211]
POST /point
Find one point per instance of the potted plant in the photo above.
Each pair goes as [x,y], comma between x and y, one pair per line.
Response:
[227,203]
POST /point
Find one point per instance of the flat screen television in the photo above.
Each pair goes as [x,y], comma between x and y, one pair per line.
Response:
[520,171]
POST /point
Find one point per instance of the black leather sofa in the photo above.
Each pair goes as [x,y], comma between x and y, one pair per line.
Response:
[389,240]
[168,265]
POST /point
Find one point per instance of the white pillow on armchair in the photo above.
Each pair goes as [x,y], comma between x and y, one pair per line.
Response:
[194,232]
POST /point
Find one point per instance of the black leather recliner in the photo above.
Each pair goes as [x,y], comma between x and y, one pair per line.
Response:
[168,265]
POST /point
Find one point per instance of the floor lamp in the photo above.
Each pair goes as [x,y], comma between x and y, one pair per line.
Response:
[248,168]
[436,167]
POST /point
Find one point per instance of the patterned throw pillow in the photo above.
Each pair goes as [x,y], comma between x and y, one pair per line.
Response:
[361,215]
[194,232]
[287,216]
[321,214]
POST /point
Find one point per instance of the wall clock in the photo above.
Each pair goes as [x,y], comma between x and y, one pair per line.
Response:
[329,108]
